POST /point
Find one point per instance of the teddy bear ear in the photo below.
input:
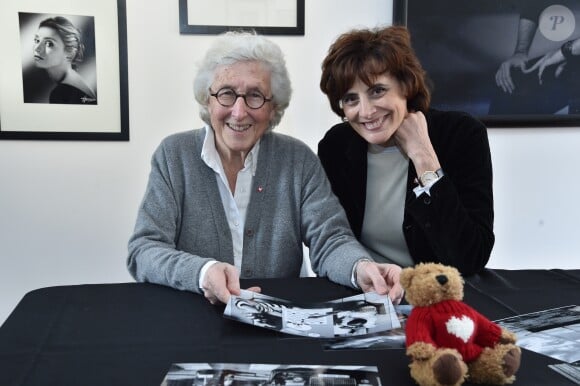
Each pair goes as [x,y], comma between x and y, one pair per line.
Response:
[454,270]
[406,276]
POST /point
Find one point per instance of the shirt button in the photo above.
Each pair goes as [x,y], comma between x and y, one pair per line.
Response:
[249,232]
[247,272]
[427,200]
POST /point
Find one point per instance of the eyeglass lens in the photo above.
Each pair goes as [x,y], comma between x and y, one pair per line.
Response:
[227,97]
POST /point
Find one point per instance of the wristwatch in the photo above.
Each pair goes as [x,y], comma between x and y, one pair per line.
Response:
[567,49]
[429,177]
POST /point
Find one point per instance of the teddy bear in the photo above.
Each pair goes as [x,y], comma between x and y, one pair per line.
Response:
[448,341]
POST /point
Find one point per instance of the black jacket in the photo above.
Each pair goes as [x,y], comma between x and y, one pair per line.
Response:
[454,225]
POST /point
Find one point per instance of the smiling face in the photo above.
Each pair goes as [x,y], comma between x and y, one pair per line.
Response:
[49,48]
[375,112]
[238,127]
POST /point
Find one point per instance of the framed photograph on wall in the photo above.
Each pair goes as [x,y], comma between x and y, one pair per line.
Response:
[472,51]
[63,70]
[267,17]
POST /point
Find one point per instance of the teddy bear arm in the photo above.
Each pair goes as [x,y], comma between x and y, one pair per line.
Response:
[421,350]
[488,338]
[419,327]
[489,333]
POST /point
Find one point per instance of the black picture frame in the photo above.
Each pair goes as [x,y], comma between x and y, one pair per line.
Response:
[24,118]
[461,45]
[297,28]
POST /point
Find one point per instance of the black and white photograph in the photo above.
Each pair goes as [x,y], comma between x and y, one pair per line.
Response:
[568,370]
[554,332]
[357,315]
[58,58]
[267,17]
[510,63]
[64,72]
[394,338]
[237,374]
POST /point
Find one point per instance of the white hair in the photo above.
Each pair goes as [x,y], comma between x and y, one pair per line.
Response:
[233,47]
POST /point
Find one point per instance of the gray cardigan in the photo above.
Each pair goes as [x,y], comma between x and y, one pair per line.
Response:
[181,223]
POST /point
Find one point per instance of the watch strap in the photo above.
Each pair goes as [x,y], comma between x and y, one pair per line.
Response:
[567,49]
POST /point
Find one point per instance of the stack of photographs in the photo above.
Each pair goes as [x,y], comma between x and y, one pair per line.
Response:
[554,332]
[393,338]
[363,314]
[568,370]
[238,374]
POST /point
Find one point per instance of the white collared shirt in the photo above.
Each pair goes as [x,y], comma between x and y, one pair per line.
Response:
[236,204]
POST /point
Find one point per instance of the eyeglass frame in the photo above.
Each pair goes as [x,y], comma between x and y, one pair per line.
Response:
[243,96]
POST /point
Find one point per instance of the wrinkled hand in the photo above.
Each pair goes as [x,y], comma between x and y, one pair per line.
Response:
[221,281]
[503,77]
[380,278]
[412,137]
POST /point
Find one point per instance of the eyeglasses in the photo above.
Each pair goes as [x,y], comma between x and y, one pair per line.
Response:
[228,97]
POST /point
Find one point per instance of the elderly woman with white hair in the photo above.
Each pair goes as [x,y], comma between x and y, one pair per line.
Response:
[234,199]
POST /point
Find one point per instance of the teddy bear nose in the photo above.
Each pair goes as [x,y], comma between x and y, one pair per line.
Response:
[442,279]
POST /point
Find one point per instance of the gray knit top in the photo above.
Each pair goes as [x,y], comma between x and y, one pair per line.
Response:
[181,223]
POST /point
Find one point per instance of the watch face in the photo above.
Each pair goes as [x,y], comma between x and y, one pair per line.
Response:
[428,177]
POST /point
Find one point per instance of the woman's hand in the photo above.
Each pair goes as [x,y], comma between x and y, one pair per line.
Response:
[412,137]
[221,281]
[380,278]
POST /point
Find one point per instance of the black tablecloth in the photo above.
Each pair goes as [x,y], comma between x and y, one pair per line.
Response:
[129,333]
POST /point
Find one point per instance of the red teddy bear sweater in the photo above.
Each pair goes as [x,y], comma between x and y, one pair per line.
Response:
[452,324]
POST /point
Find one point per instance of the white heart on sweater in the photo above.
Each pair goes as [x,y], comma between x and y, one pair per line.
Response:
[461,328]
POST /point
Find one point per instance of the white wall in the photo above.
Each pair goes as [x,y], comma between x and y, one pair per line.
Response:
[68,208]
[535,190]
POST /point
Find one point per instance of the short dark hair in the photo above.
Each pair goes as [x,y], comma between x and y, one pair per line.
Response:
[369,53]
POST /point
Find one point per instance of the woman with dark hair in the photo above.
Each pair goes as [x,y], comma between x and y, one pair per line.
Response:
[58,49]
[416,183]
